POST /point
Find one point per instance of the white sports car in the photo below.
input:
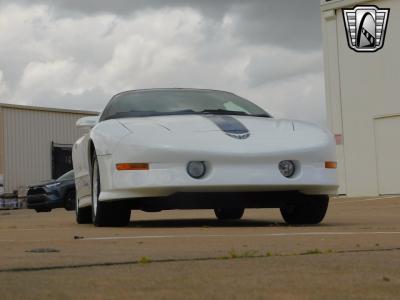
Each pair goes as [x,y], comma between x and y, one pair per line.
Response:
[162,149]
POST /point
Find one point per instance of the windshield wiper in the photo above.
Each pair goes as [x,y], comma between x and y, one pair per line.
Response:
[232,112]
[148,113]
[223,112]
[152,113]
[262,115]
[178,112]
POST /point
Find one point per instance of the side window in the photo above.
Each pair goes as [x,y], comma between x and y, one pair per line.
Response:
[234,107]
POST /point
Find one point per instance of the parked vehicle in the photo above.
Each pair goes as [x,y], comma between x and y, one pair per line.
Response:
[164,149]
[58,193]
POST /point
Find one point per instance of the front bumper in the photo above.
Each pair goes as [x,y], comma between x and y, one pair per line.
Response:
[166,179]
[43,201]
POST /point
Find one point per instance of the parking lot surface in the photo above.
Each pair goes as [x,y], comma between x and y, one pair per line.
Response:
[354,254]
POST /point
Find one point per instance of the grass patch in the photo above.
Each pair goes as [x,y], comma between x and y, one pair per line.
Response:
[144,260]
[311,252]
[232,254]
[317,251]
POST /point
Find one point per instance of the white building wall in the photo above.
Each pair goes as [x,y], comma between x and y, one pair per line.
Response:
[27,143]
[362,95]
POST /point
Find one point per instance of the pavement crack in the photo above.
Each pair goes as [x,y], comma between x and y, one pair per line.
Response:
[199,259]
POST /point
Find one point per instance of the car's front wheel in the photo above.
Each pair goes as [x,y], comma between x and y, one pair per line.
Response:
[83,214]
[307,210]
[229,213]
[106,214]
[69,203]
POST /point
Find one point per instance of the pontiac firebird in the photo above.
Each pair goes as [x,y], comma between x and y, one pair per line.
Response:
[162,149]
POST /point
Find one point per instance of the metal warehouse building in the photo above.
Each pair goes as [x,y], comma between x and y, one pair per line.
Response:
[362,91]
[35,144]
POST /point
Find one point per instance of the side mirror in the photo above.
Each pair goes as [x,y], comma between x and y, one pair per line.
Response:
[87,122]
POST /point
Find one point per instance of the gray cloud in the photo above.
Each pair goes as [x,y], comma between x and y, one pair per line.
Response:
[77,54]
[127,7]
[278,64]
[289,23]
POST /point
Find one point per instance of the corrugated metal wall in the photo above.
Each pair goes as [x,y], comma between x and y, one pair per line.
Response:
[27,143]
[363,103]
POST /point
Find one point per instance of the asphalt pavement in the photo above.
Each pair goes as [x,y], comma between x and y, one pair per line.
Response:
[354,254]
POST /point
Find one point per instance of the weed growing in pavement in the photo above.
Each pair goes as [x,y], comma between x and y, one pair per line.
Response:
[144,260]
[246,254]
[250,253]
[317,251]
[314,251]
[232,254]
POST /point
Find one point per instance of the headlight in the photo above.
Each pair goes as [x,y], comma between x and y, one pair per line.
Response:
[52,185]
[196,169]
[287,168]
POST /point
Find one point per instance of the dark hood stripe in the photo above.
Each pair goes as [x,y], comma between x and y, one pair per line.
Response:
[231,126]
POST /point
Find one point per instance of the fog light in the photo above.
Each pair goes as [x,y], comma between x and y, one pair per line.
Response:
[287,168]
[196,169]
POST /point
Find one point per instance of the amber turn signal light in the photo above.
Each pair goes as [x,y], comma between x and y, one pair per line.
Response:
[330,165]
[133,167]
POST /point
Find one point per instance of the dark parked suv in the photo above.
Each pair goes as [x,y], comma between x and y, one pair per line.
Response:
[53,194]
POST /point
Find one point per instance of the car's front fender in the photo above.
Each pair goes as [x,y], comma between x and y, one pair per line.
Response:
[106,136]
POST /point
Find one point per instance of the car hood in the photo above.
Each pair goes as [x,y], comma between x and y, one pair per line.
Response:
[169,137]
[42,184]
[258,133]
[207,123]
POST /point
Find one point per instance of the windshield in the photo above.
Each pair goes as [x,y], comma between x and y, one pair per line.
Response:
[172,102]
[67,176]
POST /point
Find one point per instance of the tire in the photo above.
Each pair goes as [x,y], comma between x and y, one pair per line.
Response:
[114,214]
[70,201]
[83,214]
[229,213]
[308,210]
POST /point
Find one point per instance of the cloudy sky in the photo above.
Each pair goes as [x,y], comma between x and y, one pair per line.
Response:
[78,53]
